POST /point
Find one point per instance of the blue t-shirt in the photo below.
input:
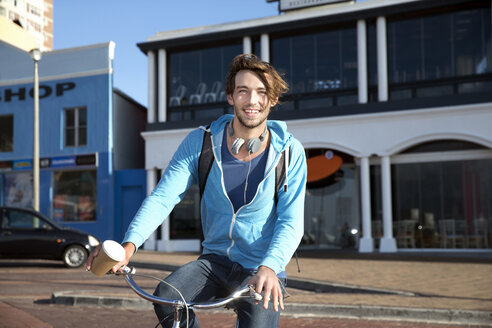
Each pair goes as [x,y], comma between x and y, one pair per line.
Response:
[236,173]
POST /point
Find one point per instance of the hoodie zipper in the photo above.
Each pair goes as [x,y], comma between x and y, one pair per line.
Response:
[230,235]
[234,215]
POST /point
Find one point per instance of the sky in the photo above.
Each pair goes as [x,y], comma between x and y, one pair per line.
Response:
[81,23]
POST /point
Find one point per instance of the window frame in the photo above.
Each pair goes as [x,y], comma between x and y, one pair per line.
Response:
[77,127]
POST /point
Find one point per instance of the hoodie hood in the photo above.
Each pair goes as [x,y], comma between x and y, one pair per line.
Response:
[280,138]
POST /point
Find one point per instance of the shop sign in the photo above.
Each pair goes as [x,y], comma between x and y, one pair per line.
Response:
[44,163]
[86,159]
[8,95]
[22,165]
[63,161]
[47,162]
[69,161]
[296,4]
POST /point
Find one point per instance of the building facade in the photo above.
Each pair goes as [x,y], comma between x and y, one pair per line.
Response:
[33,17]
[91,151]
[394,96]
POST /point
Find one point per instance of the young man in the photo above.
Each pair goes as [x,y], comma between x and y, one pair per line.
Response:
[249,234]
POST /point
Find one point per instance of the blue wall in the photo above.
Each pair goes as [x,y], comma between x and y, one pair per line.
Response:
[92,92]
[130,191]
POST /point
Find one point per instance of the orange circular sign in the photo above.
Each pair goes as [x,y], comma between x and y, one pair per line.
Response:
[320,167]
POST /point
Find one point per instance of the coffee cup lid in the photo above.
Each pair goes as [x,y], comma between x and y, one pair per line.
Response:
[114,250]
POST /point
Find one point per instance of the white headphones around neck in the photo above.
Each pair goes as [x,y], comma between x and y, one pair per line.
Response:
[252,146]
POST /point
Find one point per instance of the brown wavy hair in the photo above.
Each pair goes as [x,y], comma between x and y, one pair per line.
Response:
[275,85]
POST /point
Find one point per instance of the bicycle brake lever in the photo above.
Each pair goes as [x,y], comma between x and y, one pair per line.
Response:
[254,294]
[126,269]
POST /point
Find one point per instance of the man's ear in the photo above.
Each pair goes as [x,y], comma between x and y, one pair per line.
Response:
[274,102]
[230,100]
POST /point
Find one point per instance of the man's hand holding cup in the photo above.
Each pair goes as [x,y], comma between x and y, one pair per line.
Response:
[110,255]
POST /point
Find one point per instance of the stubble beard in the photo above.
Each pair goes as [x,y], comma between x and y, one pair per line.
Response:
[251,124]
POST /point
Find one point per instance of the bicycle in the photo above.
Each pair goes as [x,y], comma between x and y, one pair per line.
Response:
[180,304]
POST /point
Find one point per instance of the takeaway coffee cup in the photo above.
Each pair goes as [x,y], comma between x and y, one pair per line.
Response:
[110,253]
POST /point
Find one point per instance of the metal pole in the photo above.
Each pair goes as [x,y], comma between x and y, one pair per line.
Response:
[35,158]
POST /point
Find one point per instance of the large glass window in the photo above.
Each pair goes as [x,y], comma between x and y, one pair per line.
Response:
[317,62]
[435,195]
[372,56]
[331,211]
[185,217]
[6,133]
[438,204]
[440,46]
[75,195]
[198,76]
[76,127]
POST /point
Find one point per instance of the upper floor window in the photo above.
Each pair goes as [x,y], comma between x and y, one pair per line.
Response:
[440,46]
[198,76]
[76,127]
[33,10]
[6,133]
[317,62]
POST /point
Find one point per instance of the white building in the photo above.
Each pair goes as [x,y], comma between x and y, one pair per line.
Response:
[35,17]
[400,91]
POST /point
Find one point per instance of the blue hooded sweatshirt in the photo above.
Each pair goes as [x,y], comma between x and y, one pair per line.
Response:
[258,233]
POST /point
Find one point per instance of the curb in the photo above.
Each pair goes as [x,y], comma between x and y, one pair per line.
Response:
[455,317]
[329,287]
[74,299]
[303,284]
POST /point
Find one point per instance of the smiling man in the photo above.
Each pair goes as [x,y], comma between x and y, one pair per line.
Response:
[251,228]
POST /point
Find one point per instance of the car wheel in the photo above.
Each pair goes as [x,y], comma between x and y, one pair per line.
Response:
[74,256]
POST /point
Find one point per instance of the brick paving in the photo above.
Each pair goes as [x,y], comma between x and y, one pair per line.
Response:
[439,283]
[433,283]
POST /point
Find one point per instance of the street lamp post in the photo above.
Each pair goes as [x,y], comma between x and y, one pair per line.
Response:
[36,57]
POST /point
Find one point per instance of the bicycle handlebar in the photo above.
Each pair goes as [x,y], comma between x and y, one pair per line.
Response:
[129,271]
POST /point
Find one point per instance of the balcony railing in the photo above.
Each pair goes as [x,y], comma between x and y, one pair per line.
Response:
[334,102]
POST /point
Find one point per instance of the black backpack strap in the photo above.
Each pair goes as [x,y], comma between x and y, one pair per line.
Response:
[280,174]
[205,160]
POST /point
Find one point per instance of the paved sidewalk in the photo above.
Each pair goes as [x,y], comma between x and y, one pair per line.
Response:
[12,317]
[446,288]
[356,279]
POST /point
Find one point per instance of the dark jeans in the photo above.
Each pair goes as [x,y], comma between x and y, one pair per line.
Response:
[210,277]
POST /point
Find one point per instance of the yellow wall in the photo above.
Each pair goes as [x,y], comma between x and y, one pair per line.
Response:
[16,35]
